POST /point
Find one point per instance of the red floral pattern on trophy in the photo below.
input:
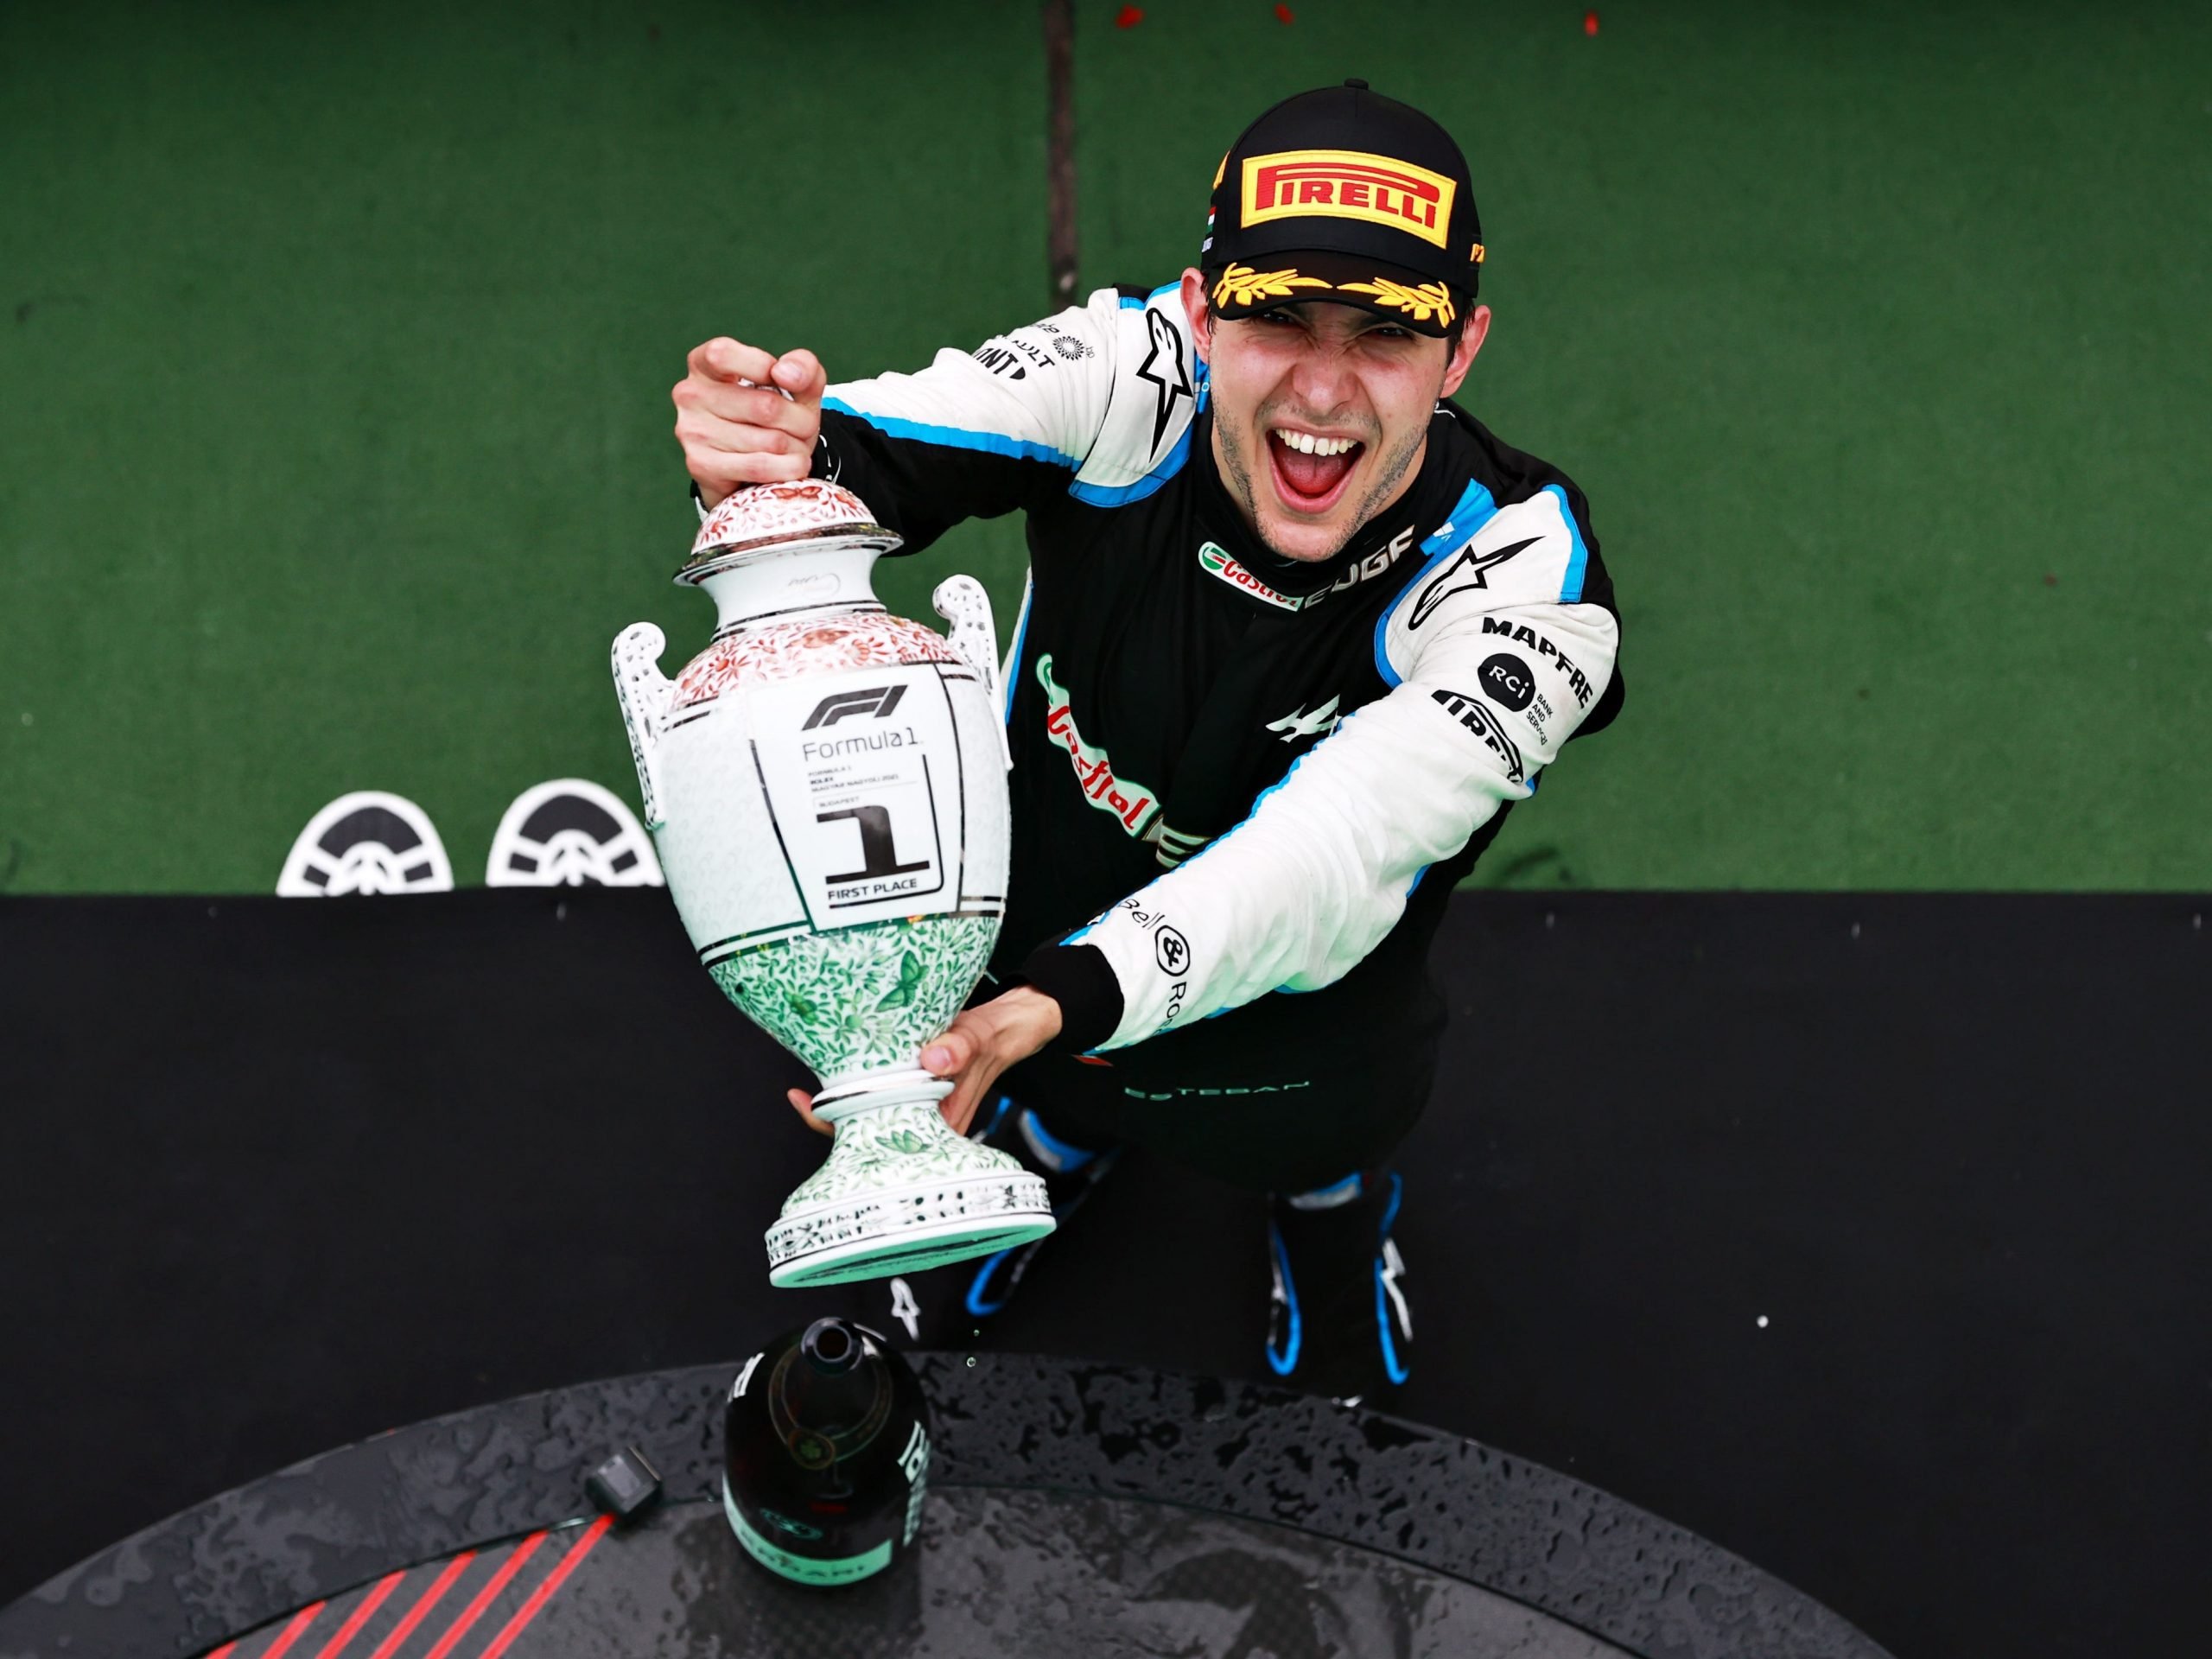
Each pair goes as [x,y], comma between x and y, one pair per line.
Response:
[784,650]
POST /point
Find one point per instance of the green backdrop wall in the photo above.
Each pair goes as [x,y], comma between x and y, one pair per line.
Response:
[335,347]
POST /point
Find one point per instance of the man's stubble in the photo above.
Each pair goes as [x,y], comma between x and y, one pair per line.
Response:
[1395,467]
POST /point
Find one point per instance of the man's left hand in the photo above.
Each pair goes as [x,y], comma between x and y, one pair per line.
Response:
[983,1043]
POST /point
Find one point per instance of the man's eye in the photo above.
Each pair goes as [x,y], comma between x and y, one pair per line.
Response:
[1390,331]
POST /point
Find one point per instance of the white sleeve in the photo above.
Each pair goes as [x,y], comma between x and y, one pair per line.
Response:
[1040,392]
[1497,660]
[1096,400]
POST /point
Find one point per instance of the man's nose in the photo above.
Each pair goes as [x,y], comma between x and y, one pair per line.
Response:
[1323,376]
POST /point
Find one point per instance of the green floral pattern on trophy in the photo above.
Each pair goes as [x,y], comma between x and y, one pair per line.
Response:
[861,999]
[900,1146]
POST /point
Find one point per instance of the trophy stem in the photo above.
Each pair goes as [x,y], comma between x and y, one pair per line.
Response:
[844,1098]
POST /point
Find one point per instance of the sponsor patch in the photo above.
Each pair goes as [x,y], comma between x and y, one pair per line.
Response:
[1370,567]
[1319,723]
[1170,951]
[1217,561]
[1347,184]
[1180,1091]
[1475,715]
[1163,368]
[1133,804]
[1470,569]
[1522,634]
[1508,682]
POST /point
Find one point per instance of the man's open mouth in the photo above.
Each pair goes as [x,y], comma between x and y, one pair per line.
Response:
[1310,470]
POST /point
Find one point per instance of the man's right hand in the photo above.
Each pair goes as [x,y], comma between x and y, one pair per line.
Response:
[735,433]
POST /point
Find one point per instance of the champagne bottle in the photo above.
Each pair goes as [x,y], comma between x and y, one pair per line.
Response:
[825,1454]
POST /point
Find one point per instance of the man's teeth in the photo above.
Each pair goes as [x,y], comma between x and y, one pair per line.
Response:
[1306,443]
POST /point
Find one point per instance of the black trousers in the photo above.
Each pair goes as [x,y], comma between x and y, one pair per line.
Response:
[1280,1122]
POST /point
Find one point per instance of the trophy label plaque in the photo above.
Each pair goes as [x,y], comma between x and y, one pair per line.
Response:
[863,779]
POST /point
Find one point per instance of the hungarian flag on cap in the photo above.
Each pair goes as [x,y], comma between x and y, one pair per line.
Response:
[1345,195]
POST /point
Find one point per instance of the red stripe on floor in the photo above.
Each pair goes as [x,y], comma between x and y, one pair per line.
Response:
[291,1633]
[225,1651]
[498,1582]
[543,1594]
[424,1603]
[362,1614]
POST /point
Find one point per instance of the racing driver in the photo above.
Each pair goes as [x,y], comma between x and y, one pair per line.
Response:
[1300,633]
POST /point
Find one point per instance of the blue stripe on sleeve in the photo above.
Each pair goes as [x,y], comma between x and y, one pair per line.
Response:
[1475,508]
[1570,591]
[1013,667]
[1120,495]
[954,438]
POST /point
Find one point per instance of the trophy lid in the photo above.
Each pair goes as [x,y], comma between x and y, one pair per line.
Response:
[762,516]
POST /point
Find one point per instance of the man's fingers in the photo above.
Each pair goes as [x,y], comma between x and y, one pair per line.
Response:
[724,359]
[958,1109]
[952,1051]
[723,473]
[803,1103]
[702,434]
[800,373]
[765,406]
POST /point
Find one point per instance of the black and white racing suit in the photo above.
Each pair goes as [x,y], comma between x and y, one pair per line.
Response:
[1243,787]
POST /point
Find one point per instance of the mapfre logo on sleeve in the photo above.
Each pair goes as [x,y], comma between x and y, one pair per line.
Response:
[1348,184]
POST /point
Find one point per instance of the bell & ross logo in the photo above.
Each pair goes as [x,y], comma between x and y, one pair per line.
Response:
[1348,184]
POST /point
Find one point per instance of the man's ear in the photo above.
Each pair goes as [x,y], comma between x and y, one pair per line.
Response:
[1199,312]
[1463,355]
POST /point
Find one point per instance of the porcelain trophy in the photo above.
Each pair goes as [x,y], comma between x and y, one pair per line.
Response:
[826,784]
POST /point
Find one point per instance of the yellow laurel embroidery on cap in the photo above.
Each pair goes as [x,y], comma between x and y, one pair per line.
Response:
[1242,285]
[1418,299]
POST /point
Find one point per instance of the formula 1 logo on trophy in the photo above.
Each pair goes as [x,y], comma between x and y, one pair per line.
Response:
[826,786]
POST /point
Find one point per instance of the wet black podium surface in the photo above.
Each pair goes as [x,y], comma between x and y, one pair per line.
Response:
[1074,1509]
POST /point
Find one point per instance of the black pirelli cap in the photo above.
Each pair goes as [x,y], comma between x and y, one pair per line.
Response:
[1345,195]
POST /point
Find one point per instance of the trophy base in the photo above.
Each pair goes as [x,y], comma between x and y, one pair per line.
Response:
[899,1193]
[850,1241]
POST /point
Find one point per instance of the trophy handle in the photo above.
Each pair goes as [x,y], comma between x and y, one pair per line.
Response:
[961,602]
[644,693]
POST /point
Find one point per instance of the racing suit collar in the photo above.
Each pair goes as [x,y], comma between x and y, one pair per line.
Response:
[1426,504]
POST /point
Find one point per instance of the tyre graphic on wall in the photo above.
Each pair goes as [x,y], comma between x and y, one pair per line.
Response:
[368,841]
[570,833]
